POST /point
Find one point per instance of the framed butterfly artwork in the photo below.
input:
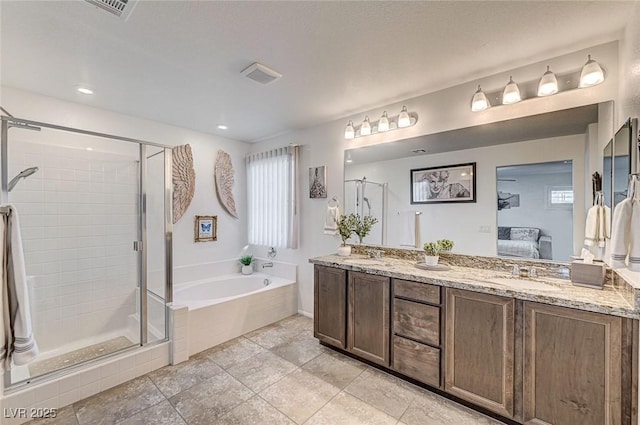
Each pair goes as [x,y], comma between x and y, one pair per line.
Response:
[206,228]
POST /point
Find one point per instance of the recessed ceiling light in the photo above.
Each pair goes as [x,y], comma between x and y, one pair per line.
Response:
[222,127]
[89,149]
[85,90]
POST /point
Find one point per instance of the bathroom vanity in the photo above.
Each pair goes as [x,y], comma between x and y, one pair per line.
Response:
[536,351]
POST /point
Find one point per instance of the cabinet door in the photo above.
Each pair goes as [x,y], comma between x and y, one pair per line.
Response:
[479,349]
[368,331]
[572,363]
[330,306]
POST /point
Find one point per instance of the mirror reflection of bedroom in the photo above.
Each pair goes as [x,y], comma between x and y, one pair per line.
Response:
[535,210]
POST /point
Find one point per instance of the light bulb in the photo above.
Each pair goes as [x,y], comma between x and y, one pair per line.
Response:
[479,101]
[548,84]
[383,124]
[511,93]
[349,131]
[592,74]
[365,129]
[404,120]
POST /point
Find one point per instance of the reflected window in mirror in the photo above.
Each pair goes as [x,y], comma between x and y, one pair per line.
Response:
[535,210]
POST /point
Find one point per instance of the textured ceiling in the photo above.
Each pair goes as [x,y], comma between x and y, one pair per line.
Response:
[179,62]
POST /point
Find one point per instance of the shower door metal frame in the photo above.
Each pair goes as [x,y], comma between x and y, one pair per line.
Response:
[8,122]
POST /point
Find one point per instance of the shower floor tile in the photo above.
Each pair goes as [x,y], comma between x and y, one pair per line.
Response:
[78,356]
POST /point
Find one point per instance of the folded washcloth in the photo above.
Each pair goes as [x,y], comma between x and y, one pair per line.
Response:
[621,233]
[331,221]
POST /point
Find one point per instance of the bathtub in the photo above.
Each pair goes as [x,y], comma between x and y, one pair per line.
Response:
[222,308]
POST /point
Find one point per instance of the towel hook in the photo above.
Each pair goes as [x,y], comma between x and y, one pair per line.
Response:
[334,199]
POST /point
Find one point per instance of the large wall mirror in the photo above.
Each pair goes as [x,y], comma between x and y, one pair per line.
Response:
[551,144]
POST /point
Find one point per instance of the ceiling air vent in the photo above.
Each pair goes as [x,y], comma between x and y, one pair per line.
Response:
[260,73]
[120,8]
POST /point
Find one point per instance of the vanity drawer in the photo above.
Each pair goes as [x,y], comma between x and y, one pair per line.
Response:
[416,360]
[416,291]
[416,321]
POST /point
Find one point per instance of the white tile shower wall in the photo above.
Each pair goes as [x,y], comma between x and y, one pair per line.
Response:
[85,383]
[78,218]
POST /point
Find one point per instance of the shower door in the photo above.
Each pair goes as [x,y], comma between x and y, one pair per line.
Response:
[85,228]
[367,198]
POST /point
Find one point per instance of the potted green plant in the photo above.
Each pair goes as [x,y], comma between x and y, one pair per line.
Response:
[363,225]
[446,245]
[346,225]
[246,261]
[431,253]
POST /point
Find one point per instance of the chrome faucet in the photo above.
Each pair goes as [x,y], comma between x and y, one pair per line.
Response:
[269,264]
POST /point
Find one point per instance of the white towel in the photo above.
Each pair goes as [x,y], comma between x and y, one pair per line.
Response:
[331,221]
[408,228]
[634,250]
[16,335]
[621,233]
[598,228]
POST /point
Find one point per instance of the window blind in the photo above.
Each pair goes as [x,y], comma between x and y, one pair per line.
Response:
[272,203]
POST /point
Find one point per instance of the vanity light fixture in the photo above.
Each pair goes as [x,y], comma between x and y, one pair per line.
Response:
[349,131]
[365,128]
[592,74]
[548,84]
[511,93]
[479,102]
[404,120]
[384,124]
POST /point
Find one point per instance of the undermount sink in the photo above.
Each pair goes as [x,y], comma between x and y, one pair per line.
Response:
[523,284]
[366,261]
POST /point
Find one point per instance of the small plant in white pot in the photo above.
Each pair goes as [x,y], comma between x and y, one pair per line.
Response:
[446,245]
[431,253]
[246,261]
[346,225]
[363,226]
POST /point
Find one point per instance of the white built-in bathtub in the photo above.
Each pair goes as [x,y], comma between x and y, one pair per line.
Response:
[225,307]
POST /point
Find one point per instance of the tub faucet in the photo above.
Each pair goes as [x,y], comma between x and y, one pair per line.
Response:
[269,264]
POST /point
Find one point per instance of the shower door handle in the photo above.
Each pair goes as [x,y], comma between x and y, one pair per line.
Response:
[137,246]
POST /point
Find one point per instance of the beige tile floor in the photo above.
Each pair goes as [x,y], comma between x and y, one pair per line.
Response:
[275,375]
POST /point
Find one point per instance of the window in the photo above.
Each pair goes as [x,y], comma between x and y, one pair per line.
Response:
[271,193]
[559,197]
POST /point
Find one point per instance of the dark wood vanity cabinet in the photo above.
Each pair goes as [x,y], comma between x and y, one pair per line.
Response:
[330,306]
[480,349]
[351,312]
[573,367]
[368,317]
[416,349]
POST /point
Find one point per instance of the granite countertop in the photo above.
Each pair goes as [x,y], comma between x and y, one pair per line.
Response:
[562,292]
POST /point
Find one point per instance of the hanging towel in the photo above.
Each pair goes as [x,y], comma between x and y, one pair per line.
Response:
[621,233]
[408,228]
[17,341]
[634,250]
[597,229]
[331,220]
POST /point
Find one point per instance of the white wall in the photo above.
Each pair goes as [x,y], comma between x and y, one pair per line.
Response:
[462,222]
[440,111]
[628,102]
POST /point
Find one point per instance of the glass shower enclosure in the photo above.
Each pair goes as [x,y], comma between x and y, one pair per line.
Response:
[95,219]
[368,198]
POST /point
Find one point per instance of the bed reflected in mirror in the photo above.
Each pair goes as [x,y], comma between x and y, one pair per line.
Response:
[535,210]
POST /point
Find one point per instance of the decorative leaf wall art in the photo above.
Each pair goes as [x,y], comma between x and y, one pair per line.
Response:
[184,180]
[224,182]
